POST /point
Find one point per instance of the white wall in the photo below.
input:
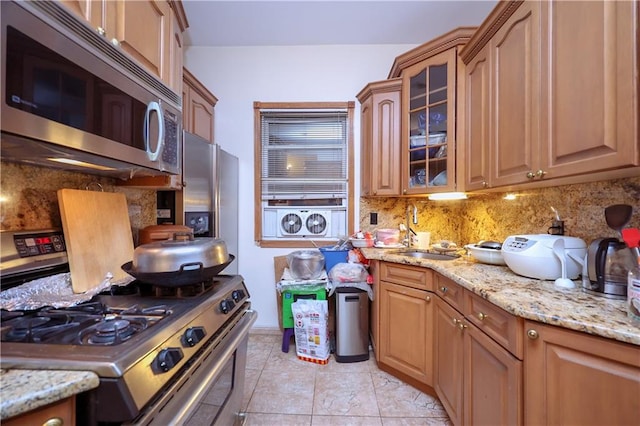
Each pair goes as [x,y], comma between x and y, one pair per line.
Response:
[238,76]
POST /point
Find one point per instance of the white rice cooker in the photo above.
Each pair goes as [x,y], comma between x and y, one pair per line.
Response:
[532,256]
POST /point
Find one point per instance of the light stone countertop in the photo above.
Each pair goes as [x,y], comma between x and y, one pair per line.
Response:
[22,391]
[529,298]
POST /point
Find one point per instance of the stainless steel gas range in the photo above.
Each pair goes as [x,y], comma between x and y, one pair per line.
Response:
[163,355]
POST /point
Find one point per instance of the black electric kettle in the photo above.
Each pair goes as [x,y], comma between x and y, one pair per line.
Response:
[608,263]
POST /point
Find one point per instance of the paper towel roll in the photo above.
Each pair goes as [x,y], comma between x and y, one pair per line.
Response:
[424,239]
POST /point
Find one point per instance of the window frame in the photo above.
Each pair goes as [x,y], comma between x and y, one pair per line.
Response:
[257,171]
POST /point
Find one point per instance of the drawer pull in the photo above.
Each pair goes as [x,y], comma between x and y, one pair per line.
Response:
[455,321]
[54,421]
[482,316]
[532,334]
[462,325]
[443,289]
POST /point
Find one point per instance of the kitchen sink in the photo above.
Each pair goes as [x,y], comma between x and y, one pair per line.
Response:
[426,254]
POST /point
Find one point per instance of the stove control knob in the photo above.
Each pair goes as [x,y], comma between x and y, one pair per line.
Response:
[168,358]
[226,306]
[237,295]
[193,335]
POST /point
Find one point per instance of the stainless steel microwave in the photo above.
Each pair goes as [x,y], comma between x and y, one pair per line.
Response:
[72,99]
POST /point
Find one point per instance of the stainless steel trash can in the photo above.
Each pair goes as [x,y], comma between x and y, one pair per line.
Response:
[352,325]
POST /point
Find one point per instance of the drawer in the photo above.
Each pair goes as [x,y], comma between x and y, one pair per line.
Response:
[412,276]
[505,328]
[61,412]
[450,291]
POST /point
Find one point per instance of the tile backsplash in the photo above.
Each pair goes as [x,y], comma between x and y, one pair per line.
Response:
[490,217]
[29,197]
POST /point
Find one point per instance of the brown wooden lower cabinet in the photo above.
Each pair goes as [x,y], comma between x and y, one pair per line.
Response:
[61,413]
[491,367]
[405,331]
[572,378]
[448,361]
[478,381]
[492,381]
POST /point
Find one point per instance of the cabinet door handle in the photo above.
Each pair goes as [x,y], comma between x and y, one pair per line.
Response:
[54,421]
[101,31]
[455,321]
[462,325]
[428,298]
[540,173]
[443,289]
[532,334]
[482,316]
[530,175]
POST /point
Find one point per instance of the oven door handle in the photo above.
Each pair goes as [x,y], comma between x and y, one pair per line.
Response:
[182,408]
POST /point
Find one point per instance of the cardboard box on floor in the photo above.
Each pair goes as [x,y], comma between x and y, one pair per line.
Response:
[279,263]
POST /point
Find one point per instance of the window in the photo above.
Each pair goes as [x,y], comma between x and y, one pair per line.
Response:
[304,172]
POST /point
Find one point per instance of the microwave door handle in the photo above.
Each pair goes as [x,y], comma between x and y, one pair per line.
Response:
[154,106]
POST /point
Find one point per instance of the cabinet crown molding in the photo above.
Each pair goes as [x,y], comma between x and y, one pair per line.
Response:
[456,37]
[486,30]
[379,86]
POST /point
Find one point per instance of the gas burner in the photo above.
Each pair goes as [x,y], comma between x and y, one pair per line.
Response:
[44,327]
[111,331]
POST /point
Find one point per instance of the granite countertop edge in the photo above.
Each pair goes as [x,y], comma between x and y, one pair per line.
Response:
[531,299]
[22,391]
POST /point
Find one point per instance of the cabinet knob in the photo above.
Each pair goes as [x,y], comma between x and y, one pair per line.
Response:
[484,184]
[115,42]
[462,325]
[540,173]
[530,175]
[428,298]
[54,421]
[482,316]
[455,321]
[532,334]
[404,191]
[443,289]
[101,31]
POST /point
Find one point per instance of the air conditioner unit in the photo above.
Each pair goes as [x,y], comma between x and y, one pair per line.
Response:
[303,223]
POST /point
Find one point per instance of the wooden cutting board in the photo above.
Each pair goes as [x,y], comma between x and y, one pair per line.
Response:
[97,231]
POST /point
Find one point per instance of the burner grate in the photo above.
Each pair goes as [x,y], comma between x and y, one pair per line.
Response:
[185,291]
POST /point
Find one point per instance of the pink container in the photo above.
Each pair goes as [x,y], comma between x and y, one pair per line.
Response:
[388,236]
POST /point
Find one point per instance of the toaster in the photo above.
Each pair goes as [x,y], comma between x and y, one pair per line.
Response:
[532,256]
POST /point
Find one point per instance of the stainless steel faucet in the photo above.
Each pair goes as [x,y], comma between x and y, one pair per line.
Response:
[411,206]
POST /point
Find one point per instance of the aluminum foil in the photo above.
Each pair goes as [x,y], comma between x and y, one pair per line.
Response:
[55,291]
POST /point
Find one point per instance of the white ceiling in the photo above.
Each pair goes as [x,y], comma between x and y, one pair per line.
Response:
[285,23]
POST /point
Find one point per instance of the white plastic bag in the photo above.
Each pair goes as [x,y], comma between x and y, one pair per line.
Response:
[348,273]
[311,328]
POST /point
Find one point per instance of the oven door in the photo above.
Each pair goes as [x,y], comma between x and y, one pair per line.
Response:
[211,390]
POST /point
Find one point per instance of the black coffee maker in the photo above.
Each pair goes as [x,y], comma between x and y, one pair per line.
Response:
[607,265]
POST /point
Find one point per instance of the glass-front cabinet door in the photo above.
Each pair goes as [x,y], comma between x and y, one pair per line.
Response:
[429,135]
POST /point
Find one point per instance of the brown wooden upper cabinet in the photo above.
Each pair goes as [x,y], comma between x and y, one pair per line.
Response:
[380,138]
[551,91]
[156,45]
[198,105]
[428,128]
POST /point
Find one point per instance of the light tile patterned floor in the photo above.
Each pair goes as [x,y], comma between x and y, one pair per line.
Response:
[282,390]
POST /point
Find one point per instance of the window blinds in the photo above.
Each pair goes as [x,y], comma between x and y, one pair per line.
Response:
[304,154]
